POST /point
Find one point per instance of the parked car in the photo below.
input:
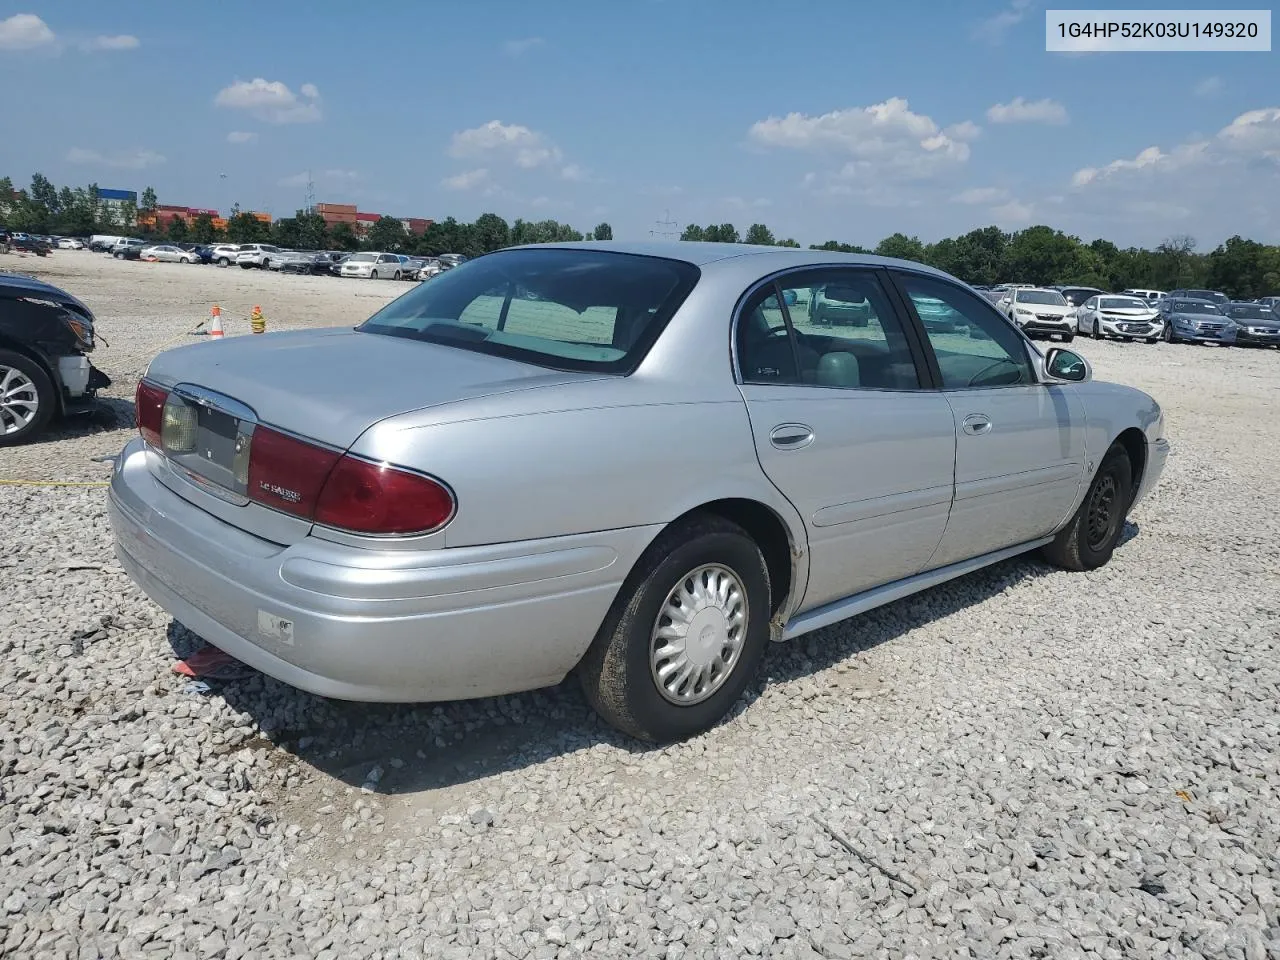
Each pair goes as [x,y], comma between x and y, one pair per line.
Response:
[70,243]
[372,266]
[1271,303]
[258,255]
[166,253]
[1256,325]
[837,304]
[1196,321]
[128,248]
[1151,296]
[938,316]
[46,335]
[103,242]
[354,533]
[430,267]
[1213,296]
[1113,315]
[25,243]
[203,252]
[1078,295]
[409,266]
[1039,311]
[451,260]
[224,254]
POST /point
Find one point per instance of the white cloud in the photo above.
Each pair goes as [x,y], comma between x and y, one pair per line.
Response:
[885,140]
[137,159]
[738,203]
[573,172]
[468,179]
[513,48]
[526,148]
[24,31]
[1012,214]
[1152,158]
[122,41]
[964,130]
[977,195]
[1020,110]
[1256,132]
[241,136]
[1208,87]
[334,177]
[994,28]
[272,101]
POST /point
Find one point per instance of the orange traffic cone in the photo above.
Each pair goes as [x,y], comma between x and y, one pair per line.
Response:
[257,322]
[215,326]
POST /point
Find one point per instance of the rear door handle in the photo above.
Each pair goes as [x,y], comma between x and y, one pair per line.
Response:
[976,424]
[791,436]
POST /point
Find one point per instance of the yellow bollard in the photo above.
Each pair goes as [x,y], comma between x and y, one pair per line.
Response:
[257,321]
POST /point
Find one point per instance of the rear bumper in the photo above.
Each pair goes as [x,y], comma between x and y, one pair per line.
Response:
[357,624]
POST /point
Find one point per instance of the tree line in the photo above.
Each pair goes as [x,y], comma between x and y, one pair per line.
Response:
[988,255]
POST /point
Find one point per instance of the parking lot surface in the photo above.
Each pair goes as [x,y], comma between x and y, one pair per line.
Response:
[1023,762]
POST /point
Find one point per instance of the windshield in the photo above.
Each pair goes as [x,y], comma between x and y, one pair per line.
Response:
[1123,303]
[1249,311]
[361,258]
[1196,306]
[562,308]
[1048,297]
[1210,295]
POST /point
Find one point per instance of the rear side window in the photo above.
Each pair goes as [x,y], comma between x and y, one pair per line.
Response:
[568,309]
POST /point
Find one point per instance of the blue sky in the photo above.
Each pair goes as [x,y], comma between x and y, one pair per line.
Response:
[824,119]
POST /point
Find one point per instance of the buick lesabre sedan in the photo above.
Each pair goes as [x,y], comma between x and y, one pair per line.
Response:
[638,463]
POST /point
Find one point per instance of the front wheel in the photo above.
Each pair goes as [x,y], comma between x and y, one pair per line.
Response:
[118,256]
[685,634]
[396,276]
[1168,333]
[224,262]
[1068,337]
[1089,539]
[373,274]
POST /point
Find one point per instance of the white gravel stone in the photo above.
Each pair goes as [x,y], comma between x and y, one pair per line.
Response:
[1058,765]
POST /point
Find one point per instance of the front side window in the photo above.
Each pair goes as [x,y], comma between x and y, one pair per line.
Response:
[992,355]
[565,309]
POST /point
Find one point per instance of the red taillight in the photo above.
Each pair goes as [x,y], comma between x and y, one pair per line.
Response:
[148,411]
[375,498]
[285,473]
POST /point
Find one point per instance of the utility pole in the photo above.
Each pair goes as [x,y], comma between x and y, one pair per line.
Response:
[664,227]
[309,203]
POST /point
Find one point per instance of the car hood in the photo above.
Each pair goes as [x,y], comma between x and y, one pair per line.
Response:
[1201,317]
[333,384]
[1060,311]
[1140,313]
[18,285]
[1251,322]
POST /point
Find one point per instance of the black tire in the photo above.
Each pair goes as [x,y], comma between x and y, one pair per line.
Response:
[1168,334]
[396,276]
[1068,337]
[118,256]
[246,266]
[224,261]
[373,274]
[616,674]
[1153,339]
[46,397]
[1096,332]
[1090,537]
[265,264]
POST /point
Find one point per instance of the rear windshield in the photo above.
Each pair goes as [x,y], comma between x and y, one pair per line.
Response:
[568,309]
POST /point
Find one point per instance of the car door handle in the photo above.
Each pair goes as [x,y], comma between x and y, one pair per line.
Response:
[791,436]
[976,424]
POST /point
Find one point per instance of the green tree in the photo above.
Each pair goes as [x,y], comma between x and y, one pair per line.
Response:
[343,237]
[128,214]
[491,232]
[901,246]
[6,196]
[313,232]
[693,232]
[1241,266]
[387,233]
[759,234]
[44,193]
[788,243]
[178,230]
[834,246]
[723,233]
[1041,255]
[148,199]
[602,232]
[202,229]
[246,228]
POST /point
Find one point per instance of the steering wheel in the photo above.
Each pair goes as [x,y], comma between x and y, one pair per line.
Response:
[991,366]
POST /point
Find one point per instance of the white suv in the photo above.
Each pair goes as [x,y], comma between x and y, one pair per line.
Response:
[224,254]
[258,255]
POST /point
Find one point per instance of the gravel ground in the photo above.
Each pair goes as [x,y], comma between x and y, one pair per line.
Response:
[1022,763]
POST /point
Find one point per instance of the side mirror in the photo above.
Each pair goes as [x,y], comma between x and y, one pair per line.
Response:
[1066,365]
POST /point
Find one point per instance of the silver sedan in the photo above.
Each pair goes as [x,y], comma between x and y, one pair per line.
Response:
[636,462]
[167,253]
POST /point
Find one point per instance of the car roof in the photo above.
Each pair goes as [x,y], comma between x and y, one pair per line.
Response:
[768,259]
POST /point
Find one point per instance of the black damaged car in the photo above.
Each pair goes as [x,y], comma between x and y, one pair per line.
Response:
[46,335]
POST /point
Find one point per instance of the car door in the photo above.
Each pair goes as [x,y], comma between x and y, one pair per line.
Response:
[1020,454]
[844,428]
[1088,317]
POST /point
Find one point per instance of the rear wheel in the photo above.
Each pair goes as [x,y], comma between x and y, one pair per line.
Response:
[1089,539]
[396,276]
[224,262]
[684,636]
[373,274]
[26,398]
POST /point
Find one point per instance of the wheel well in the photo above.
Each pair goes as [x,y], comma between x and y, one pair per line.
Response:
[770,534]
[36,357]
[1135,445]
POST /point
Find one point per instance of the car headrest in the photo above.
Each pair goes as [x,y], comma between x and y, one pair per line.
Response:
[839,369]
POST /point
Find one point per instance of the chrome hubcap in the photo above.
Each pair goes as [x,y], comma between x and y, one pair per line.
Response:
[19,400]
[698,636]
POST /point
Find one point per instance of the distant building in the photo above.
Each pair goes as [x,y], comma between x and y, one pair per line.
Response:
[114,200]
[360,222]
